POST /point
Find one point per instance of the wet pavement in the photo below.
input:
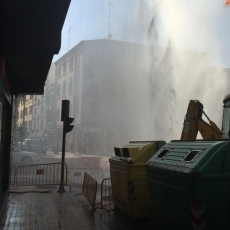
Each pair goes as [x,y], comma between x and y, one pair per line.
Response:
[43,208]
[50,210]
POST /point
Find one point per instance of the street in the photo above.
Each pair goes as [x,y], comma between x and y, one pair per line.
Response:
[78,161]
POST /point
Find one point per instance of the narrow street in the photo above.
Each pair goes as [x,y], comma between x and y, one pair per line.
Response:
[75,160]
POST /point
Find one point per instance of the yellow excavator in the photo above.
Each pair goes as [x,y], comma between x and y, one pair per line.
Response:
[193,122]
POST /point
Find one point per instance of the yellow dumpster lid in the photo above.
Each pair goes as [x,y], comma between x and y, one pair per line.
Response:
[138,152]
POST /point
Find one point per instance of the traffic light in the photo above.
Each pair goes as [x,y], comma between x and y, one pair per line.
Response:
[67,124]
[64,109]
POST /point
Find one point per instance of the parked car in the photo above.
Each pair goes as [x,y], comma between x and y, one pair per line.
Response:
[20,145]
[36,145]
[24,157]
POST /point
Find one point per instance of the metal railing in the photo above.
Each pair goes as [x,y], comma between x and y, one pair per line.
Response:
[106,195]
[76,175]
[41,174]
[89,190]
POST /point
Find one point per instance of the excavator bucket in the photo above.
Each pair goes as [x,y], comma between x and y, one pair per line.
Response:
[193,123]
[194,113]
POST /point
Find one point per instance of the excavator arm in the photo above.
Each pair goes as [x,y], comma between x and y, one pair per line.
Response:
[193,123]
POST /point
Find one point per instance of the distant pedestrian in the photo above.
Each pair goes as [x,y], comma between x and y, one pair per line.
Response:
[87,145]
[80,145]
[71,147]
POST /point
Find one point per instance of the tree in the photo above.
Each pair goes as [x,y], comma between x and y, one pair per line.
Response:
[20,133]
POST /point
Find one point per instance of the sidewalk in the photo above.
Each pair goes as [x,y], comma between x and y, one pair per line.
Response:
[50,211]
[54,211]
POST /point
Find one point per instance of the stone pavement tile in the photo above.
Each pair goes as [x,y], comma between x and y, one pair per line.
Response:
[54,211]
[51,211]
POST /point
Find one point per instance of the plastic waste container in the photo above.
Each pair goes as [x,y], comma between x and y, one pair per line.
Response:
[189,185]
[128,177]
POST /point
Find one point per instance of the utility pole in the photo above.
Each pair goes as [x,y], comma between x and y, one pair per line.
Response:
[69,36]
[109,34]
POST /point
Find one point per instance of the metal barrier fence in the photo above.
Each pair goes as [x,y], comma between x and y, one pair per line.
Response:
[89,190]
[76,175]
[41,174]
[13,173]
[106,194]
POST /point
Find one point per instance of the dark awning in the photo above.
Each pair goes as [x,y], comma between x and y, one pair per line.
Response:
[30,34]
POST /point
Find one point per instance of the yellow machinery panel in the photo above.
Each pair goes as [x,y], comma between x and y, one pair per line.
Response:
[128,178]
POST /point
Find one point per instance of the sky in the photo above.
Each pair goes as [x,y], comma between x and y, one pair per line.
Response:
[199,25]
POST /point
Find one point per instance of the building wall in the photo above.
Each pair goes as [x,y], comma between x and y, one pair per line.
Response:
[115,91]
[20,112]
[39,116]
[31,110]
[102,102]
[65,77]
[28,111]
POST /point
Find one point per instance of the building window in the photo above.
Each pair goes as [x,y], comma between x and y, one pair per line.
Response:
[64,88]
[25,111]
[30,124]
[71,64]
[30,109]
[59,71]
[70,85]
[58,90]
[64,68]
[58,113]
[35,111]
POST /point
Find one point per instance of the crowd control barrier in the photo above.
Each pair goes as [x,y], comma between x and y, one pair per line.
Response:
[41,174]
[106,195]
[89,190]
[76,175]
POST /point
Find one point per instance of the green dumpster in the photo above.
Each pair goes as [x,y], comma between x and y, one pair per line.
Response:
[189,185]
